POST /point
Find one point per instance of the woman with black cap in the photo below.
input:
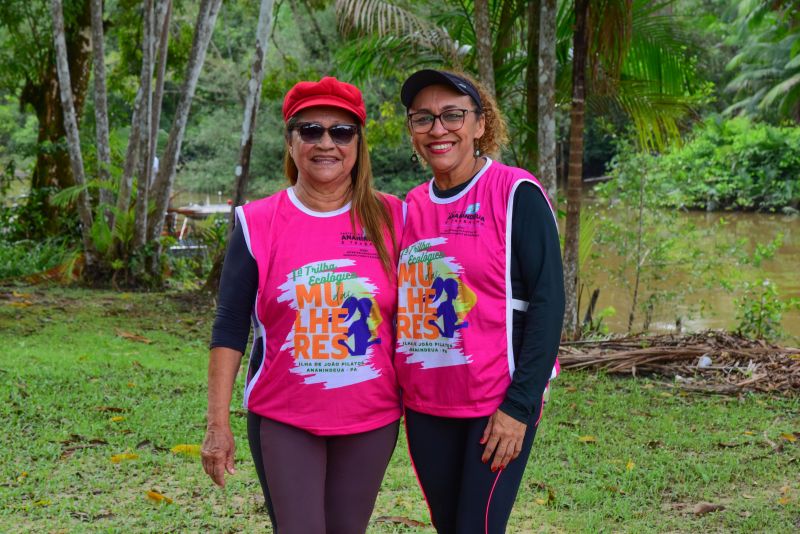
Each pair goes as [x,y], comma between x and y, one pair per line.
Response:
[314,267]
[480,307]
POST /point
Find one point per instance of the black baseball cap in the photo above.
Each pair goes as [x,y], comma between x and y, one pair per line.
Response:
[423,78]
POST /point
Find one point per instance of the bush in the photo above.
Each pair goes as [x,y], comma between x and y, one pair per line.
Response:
[26,257]
[731,164]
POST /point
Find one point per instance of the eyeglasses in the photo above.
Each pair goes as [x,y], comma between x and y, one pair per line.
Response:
[452,120]
[312,132]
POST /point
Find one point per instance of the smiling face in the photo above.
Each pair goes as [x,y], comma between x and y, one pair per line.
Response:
[450,154]
[324,164]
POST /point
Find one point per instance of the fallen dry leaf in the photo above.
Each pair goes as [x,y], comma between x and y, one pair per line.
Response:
[398,520]
[783,501]
[587,439]
[748,433]
[789,437]
[630,465]
[727,445]
[703,508]
[133,337]
[157,497]
[186,449]
[22,476]
[117,419]
[117,458]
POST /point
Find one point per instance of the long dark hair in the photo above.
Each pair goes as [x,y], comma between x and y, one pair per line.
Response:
[367,206]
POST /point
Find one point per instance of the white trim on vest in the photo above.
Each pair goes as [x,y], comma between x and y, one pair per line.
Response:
[512,303]
[258,332]
[246,231]
[299,205]
[448,200]
[519,305]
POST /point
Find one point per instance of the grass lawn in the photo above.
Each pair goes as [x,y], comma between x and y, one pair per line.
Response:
[96,388]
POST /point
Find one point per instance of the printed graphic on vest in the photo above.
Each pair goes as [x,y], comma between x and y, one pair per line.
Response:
[464,222]
[357,245]
[335,329]
[432,307]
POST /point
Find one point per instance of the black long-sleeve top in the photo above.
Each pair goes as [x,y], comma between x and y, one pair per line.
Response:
[536,277]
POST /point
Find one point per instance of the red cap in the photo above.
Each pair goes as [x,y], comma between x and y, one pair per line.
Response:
[327,92]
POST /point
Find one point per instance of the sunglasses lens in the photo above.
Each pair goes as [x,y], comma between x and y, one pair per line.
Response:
[342,134]
[311,133]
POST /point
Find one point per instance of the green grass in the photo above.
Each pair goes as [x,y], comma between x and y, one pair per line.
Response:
[65,370]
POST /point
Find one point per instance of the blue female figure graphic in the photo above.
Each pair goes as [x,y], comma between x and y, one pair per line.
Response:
[446,308]
[358,330]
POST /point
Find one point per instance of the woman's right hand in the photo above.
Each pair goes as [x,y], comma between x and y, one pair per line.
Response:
[217,453]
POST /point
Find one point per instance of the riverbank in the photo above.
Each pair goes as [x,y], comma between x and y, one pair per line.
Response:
[103,391]
[704,301]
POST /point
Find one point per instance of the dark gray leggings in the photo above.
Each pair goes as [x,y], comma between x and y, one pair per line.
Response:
[319,484]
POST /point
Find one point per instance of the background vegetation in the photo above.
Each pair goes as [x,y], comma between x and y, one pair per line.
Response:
[103,428]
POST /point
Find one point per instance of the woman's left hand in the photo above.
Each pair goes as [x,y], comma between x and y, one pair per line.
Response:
[503,437]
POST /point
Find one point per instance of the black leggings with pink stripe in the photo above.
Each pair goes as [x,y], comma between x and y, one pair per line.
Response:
[319,484]
[463,494]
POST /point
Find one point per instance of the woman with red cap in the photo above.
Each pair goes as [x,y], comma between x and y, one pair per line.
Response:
[313,268]
[480,305]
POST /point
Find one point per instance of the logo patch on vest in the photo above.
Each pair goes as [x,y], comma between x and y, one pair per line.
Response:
[432,307]
[357,245]
[336,321]
[468,222]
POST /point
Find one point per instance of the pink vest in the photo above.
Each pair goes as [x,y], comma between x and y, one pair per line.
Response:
[323,316]
[454,354]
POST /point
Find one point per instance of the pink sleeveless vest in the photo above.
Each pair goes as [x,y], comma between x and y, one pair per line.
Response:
[323,317]
[454,354]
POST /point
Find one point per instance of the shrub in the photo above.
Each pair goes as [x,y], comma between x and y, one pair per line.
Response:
[731,164]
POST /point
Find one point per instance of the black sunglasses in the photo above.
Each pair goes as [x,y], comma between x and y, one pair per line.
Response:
[312,132]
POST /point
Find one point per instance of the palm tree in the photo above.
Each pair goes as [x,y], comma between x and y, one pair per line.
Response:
[768,64]
[635,63]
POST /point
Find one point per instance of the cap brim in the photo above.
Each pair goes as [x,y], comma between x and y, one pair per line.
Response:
[422,79]
[328,101]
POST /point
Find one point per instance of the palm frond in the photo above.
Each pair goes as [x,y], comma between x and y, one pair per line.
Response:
[384,19]
[783,89]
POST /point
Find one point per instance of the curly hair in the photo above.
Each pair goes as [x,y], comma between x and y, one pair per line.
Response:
[495,135]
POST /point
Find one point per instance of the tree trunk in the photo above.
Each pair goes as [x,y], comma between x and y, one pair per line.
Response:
[531,153]
[126,180]
[505,39]
[162,186]
[52,170]
[71,127]
[101,104]
[574,178]
[248,128]
[163,16]
[547,100]
[144,168]
[483,37]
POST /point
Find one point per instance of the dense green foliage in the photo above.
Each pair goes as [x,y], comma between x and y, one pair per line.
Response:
[80,387]
[734,164]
